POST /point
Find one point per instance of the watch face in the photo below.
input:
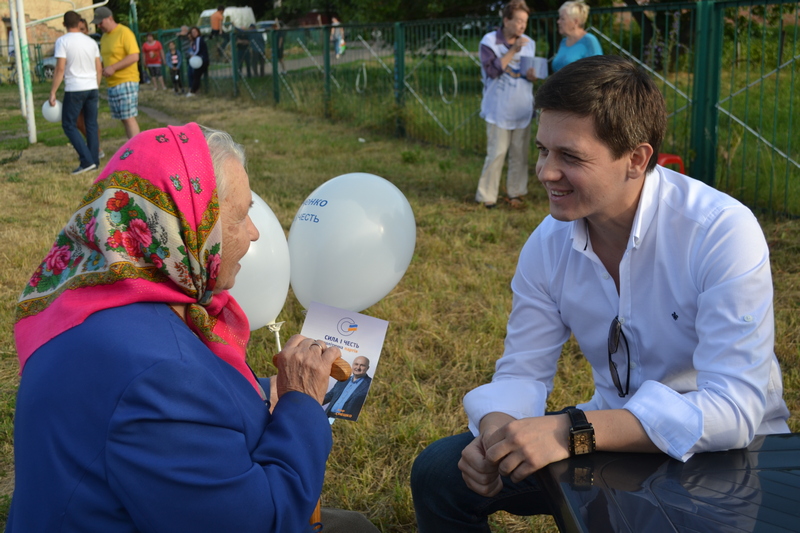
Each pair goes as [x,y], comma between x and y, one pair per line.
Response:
[583,443]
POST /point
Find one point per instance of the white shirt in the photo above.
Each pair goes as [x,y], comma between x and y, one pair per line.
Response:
[80,51]
[695,300]
[508,99]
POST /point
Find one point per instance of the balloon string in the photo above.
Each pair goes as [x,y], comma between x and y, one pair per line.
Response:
[275,327]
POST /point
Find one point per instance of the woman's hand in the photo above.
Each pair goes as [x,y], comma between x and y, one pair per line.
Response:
[519,43]
[304,365]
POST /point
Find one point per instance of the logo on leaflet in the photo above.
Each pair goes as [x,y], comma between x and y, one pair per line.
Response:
[347,327]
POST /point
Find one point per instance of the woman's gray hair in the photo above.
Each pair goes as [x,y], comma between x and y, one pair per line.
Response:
[222,147]
[576,9]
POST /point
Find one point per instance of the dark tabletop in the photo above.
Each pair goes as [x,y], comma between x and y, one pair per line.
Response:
[752,489]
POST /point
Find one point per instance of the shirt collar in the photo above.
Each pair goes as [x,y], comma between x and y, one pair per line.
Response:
[500,38]
[648,205]
[645,212]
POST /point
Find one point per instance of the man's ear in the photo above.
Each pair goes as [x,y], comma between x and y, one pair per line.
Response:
[639,159]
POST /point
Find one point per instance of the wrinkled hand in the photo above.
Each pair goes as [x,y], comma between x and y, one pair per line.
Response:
[304,365]
[480,474]
[523,446]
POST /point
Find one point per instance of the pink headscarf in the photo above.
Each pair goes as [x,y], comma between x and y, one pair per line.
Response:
[148,230]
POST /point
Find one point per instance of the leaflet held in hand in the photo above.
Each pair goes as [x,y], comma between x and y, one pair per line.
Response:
[360,338]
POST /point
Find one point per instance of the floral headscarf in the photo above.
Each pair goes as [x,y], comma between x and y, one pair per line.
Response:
[148,230]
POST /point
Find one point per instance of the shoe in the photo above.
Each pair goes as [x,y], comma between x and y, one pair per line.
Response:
[489,206]
[101,155]
[81,170]
[189,95]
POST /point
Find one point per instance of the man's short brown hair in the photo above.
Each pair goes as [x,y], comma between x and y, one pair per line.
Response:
[71,20]
[623,101]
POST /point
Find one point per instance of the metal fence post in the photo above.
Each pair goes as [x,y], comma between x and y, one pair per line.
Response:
[707,65]
[234,60]
[399,76]
[326,61]
[276,82]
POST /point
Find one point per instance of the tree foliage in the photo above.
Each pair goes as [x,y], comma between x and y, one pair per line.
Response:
[157,15]
[401,10]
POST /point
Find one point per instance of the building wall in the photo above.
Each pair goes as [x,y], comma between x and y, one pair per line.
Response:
[46,32]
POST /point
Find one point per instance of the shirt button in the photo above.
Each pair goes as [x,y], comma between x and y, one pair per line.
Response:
[621,320]
[605,275]
[748,318]
[633,365]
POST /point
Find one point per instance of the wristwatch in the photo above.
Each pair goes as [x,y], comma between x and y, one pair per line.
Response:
[581,432]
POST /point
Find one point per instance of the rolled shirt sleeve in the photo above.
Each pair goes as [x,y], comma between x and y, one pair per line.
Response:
[491,63]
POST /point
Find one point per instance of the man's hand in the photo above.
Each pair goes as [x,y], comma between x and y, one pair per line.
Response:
[108,71]
[304,365]
[480,474]
[52,99]
[531,75]
[522,447]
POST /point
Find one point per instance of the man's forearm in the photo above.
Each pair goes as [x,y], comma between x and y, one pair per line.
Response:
[494,420]
[126,61]
[617,430]
[58,77]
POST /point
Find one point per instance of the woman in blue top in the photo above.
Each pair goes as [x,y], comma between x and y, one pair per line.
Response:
[576,43]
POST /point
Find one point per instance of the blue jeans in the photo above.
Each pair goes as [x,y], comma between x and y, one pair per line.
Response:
[443,502]
[74,103]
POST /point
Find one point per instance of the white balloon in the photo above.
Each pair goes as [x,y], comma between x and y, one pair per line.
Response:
[51,113]
[195,61]
[263,281]
[351,242]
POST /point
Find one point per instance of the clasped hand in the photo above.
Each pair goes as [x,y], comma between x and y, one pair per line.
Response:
[515,449]
[304,365]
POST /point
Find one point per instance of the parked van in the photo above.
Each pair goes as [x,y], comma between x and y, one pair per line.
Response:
[241,17]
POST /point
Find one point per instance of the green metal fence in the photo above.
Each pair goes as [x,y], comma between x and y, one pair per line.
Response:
[728,71]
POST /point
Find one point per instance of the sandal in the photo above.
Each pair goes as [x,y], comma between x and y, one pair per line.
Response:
[515,202]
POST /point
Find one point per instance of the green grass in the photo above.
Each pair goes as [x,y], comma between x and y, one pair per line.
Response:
[447,316]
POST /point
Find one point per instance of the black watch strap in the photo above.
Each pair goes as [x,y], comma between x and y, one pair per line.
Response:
[581,432]
[577,418]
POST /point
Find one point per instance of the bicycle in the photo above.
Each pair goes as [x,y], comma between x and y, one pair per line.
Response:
[8,74]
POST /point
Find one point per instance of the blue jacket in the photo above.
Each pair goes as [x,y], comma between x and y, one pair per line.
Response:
[128,422]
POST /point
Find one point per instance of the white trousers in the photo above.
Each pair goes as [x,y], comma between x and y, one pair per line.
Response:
[516,144]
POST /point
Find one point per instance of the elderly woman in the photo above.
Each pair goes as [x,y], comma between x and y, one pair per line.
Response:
[136,409]
[507,105]
[577,43]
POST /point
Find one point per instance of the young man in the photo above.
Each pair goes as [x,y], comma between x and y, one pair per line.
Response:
[120,53]
[680,272]
[78,65]
[216,22]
